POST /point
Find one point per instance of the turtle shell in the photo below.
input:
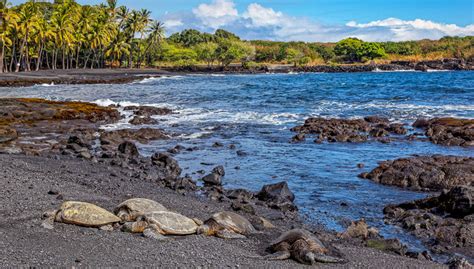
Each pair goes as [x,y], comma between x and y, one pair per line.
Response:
[85,214]
[171,223]
[296,234]
[131,209]
[233,222]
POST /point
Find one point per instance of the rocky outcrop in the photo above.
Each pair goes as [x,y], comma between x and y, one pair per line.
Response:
[164,161]
[278,196]
[137,120]
[430,173]
[214,178]
[148,111]
[143,135]
[448,131]
[348,130]
[443,221]
[45,125]
[7,134]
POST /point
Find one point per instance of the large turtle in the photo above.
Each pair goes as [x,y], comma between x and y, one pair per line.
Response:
[159,223]
[227,225]
[80,213]
[131,209]
[302,246]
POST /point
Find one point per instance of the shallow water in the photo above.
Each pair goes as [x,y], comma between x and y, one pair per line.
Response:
[255,112]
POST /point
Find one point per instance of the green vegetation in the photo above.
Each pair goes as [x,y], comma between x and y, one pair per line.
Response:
[67,35]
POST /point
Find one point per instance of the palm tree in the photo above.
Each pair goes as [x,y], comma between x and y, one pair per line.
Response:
[116,50]
[27,20]
[62,22]
[156,33]
[131,27]
[41,35]
[7,18]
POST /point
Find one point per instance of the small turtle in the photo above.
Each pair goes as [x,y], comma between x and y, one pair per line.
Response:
[302,246]
[157,224]
[81,214]
[131,209]
[227,225]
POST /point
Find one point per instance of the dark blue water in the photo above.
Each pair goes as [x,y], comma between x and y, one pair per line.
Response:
[255,112]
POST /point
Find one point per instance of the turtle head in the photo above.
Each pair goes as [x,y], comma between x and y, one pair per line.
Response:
[124,215]
[309,258]
[204,229]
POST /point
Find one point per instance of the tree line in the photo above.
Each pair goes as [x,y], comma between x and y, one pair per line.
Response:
[67,35]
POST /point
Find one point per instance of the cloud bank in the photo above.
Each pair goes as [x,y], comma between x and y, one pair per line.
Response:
[259,22]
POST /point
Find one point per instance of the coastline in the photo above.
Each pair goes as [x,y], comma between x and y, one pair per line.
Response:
[123,76]
[57,175]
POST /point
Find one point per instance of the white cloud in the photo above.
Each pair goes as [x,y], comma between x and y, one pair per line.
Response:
[217,14]
[415,29]
[260,22]
[262,17]
[173,23]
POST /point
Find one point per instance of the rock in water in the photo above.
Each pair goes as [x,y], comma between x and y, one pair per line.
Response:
[432,173]
[278,196]
[448,131]
[278,191]
[212,179]
[442,221]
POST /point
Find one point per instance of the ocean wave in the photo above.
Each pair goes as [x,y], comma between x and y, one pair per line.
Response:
[153,79]
[203,115]
[436,70]
[400,112]
[46,85]
[108,102]
[377,70]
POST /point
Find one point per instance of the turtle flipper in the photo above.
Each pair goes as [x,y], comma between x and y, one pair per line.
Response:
[154,234]
[327,259]
[278,256]
[225,234]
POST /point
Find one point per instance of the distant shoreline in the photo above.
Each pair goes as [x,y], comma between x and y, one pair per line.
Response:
[122,76]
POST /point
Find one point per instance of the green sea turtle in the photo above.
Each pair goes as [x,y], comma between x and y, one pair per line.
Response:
[131,209]
[227,225]
[302,246]
[159,223]
[81,214]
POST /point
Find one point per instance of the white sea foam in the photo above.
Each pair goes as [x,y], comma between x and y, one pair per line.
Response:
[153,79]
[108,102]
[436,70]
[402,111]
[377,70]
[46,85]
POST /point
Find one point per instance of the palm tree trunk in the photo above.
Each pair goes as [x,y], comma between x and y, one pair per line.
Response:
[17,68]
[87,60]
[77,55]
[2,52]
[13,59]
[63,58]
[47,60]
[40,53]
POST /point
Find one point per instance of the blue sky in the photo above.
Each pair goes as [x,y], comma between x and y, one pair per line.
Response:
[323,20]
